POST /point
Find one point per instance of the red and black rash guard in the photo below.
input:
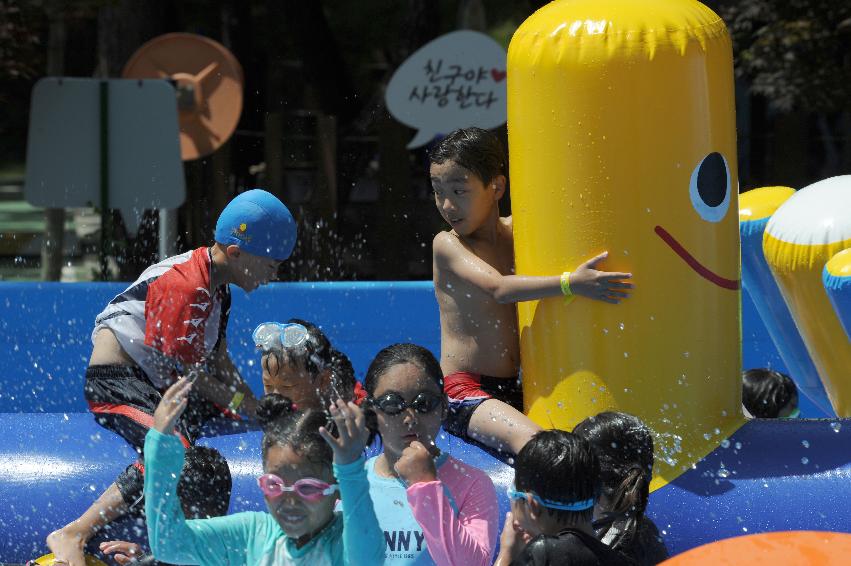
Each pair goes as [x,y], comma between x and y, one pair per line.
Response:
[169,318]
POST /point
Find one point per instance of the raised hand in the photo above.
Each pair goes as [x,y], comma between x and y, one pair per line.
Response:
[352,433]
[172,405]
[604,286]
[512,541]
[417,463]
[125,552]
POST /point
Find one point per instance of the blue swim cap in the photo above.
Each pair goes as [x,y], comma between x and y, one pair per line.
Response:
[259,224]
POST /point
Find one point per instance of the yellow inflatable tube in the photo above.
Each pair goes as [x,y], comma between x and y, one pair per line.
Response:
[809,229]
[622,138]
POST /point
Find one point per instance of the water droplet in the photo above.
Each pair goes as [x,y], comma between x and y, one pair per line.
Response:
[626,354]
[685,354]
[805,460]
[805,444]
[621,325]
[836,426]
[745,529]
[706,436]
[510,461]
[723,473]
[605,331]
[725,443]
[738,446]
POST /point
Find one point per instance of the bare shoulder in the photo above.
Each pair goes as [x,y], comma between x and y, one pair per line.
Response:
[446,247]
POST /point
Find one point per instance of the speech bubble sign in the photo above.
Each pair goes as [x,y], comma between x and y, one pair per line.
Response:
[454,81]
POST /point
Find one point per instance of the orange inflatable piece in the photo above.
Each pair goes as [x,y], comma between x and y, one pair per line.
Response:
[784,548]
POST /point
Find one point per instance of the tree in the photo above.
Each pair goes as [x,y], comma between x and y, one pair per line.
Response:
[797,54]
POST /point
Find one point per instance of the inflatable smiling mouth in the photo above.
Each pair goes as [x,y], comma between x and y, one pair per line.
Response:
[702,270]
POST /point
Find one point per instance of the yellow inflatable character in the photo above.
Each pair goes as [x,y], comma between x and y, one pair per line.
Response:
[622,138]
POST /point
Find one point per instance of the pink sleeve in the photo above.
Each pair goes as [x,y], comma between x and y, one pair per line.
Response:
[463,537]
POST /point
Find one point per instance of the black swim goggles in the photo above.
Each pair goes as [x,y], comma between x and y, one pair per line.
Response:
[393,403]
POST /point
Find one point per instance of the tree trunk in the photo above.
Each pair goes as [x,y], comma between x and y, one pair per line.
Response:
[54,218]
[395,239]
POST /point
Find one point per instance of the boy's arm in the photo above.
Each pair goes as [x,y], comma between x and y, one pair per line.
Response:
[227,374]
[451,256]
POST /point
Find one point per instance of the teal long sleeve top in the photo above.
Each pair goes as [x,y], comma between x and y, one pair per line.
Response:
[253,538]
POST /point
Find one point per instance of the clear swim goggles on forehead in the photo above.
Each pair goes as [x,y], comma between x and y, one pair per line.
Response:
[309,489]
[580,505]
[270,335]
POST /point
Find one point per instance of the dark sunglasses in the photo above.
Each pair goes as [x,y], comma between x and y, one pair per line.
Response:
[393,403]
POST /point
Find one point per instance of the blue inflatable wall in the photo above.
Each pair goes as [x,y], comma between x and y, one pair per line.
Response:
[54,459]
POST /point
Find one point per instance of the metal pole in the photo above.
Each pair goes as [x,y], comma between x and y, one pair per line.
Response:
[168,233]
[105,223]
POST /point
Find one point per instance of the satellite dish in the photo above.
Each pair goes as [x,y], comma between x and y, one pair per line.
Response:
[208,79]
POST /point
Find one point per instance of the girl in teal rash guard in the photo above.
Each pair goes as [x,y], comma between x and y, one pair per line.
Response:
[299,485]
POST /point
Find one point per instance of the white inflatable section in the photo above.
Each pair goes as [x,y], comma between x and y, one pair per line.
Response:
[815,215]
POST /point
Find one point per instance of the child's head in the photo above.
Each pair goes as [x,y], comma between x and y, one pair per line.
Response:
[298,483]
[624,446]
[255,233]
[311,374]
[555,483]
[468,176]
[769,394]
[406,400]
[205,483]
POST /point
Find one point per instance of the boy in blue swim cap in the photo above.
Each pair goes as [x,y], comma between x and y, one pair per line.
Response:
[172,322]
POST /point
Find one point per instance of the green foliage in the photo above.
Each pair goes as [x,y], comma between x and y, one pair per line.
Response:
[20,43]
[797,53]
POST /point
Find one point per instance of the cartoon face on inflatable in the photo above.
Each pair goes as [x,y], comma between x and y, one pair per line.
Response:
[622,138]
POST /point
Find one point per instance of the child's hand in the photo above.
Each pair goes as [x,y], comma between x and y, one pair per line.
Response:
[351,430]
[600,285]
[172,405]
[511,543]
[125,552]
[417,463]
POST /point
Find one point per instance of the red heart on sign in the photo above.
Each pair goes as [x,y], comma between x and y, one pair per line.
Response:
[497,75]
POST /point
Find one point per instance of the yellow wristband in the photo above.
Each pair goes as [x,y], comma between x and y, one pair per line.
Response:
[565,284]
[565,288]
[236,401]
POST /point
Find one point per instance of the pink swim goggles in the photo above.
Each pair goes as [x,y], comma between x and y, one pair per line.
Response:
[309,489]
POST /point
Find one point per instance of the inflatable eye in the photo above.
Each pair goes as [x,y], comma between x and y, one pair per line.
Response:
[709,187]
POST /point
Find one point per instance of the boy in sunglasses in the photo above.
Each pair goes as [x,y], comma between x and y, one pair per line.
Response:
[171,322]
[556,484]
[477,289]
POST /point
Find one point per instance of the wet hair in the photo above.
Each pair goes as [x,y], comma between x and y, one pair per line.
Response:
[284,425]
[316,356]
[559,466]
[395,355]
[477,150]
[624,446]
[766,392]
[342,375]
[205,483]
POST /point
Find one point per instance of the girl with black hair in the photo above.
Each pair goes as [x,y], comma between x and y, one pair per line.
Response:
[432,509]
[624,446]
[300,527]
